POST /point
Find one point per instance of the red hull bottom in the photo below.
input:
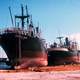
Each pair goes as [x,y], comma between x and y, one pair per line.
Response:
[31,62]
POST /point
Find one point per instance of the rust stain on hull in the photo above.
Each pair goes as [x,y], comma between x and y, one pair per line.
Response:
[38,60]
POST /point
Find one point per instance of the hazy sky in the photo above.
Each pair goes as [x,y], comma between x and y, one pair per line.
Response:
[55,17]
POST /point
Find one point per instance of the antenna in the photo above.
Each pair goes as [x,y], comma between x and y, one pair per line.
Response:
[38,24]
[11,16]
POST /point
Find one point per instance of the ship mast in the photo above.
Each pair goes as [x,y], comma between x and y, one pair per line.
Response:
[27,17]
[22,17]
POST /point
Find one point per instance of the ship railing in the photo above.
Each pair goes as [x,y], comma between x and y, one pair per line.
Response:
[13,30]
[17,31]
[4,30]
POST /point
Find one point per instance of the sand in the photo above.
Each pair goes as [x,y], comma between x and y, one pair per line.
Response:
[54,73]
[61,75]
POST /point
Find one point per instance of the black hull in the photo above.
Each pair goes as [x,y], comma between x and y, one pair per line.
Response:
[60,56]
[30,47]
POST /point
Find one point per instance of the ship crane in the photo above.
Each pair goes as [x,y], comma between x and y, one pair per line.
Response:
[11,16]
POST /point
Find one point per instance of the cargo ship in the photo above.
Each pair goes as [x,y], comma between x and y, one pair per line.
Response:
[62,54]
[22,43]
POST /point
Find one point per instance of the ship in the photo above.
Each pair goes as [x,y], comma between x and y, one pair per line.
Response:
[23,46]
[62,54]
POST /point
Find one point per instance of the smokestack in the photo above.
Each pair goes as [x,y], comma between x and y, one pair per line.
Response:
[67,42]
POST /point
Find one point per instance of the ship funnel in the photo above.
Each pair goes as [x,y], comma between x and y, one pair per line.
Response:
[67,42]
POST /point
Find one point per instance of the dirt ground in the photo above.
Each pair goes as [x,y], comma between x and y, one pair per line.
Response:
[63,72]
